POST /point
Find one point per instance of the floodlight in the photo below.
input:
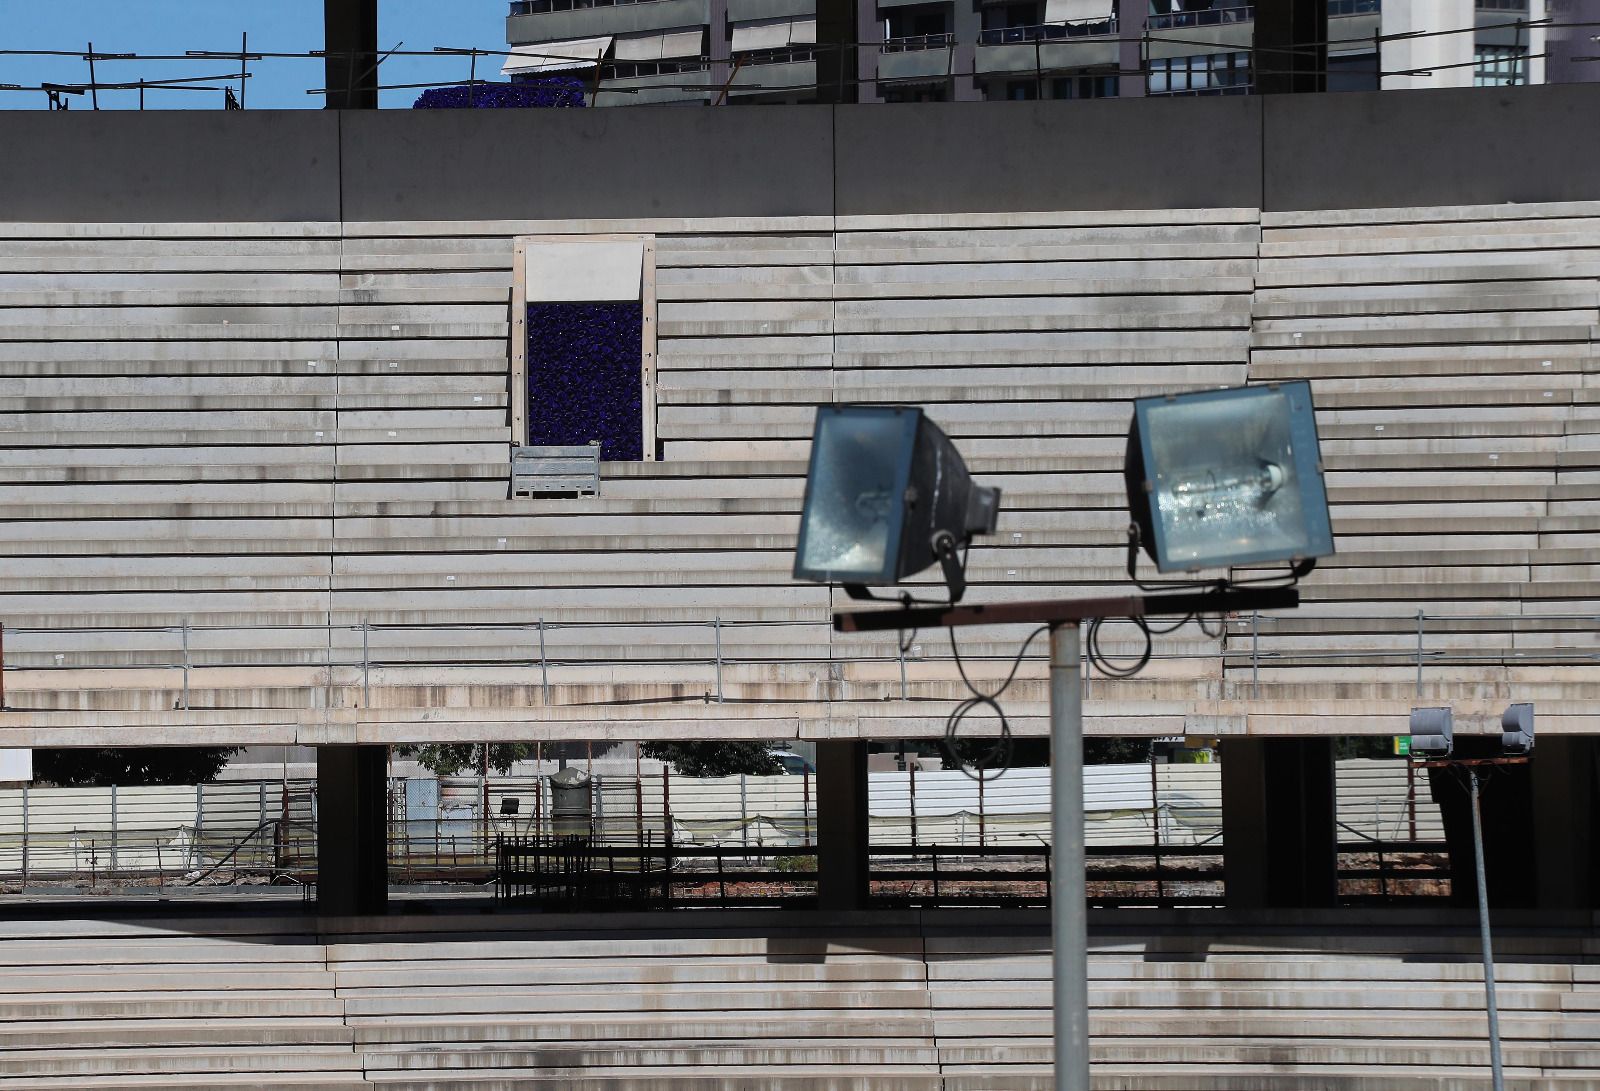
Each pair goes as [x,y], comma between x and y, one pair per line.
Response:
[1228,477]
[887,495]
[1516,729]
[1432,732]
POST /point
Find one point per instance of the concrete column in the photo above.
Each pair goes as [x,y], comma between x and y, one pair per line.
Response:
[1131,15]
[1291,47]
[1437,59]
[1280,844]
[869,29]
[842,825]
[836,52]
[966,23]
[352,830]
[350,36]
[718,52]
[1564,771]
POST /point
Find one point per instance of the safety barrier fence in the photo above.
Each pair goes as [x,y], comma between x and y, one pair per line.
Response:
[342,663]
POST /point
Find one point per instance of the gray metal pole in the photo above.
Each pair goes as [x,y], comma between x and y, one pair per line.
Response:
[1068,925]
[1496,1066]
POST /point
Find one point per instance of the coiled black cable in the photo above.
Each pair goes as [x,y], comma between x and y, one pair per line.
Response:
[998,756]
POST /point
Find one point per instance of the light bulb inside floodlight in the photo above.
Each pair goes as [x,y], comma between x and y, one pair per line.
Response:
[1227,477]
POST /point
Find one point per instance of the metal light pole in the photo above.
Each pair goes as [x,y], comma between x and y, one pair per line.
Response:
[1069,932]
[1495,1064]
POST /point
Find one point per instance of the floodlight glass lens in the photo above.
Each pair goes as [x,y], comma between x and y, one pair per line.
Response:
[856,497]
[1225,481]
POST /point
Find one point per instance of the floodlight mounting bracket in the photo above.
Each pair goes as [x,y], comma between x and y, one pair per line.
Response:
[1299,569]
[955,571]
[1070,611]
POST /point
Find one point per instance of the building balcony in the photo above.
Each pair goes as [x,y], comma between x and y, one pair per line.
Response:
[563,20]
[648,83]
[1031,49]
[1186,20]
[921,56]
[778,73]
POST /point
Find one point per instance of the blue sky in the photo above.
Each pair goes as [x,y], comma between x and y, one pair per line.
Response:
[275,26]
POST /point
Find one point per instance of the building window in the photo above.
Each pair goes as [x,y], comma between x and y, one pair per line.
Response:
[1203,74]
[1084,87]
[583,344]
[1500,65]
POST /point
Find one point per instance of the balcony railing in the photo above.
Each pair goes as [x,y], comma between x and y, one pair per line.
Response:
[544,7]
[632,70]
[1047,32]
[1353,7]
[791,55]
[1177,20]
[915,42]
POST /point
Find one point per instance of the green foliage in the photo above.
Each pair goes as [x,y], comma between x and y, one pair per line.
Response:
[1115,751]
[1363,746]
[130,765]
[714,759]
[802,864]
[1034,752]
[448,759]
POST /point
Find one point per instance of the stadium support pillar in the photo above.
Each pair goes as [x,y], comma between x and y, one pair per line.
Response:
[352,830]
[1280,844]
[1564,774]
[842,825]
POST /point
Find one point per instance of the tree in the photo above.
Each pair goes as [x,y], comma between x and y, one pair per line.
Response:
[130,765]
[714,759]
[448,759]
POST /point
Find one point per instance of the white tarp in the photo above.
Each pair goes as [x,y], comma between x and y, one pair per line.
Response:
[584,271]
[16,765]
[655,47]
[1077,11]
[774,33]
[556,56]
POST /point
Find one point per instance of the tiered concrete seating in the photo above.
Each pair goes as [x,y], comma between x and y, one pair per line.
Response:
[289,431]
[911,1002]
[203,1004]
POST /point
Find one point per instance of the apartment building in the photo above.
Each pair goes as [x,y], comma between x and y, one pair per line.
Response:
[635,52]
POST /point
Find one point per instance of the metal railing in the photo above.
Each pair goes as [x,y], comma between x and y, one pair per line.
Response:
[1251,645]
[1355,7]
[912,43]
[1176,20]
[1045,32]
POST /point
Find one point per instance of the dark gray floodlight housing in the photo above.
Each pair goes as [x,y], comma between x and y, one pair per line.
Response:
[1228,477]
[1516,729]
[1433,732]
[887,495]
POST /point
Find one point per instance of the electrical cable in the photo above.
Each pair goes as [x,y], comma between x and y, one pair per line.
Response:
[998,756]
[1103,663]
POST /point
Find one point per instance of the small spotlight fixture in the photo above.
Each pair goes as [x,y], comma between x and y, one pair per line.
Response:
[1432,732]
[1228,477]
[1516,729]
[887,495]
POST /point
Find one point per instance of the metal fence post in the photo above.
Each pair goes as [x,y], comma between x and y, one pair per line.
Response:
[744,820]
[544,667]
[898,643]
[366,666]
[1419,653]
[185,664]
[199,814]
[717,624]
[113,827]
[1255,654]
[24,835]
